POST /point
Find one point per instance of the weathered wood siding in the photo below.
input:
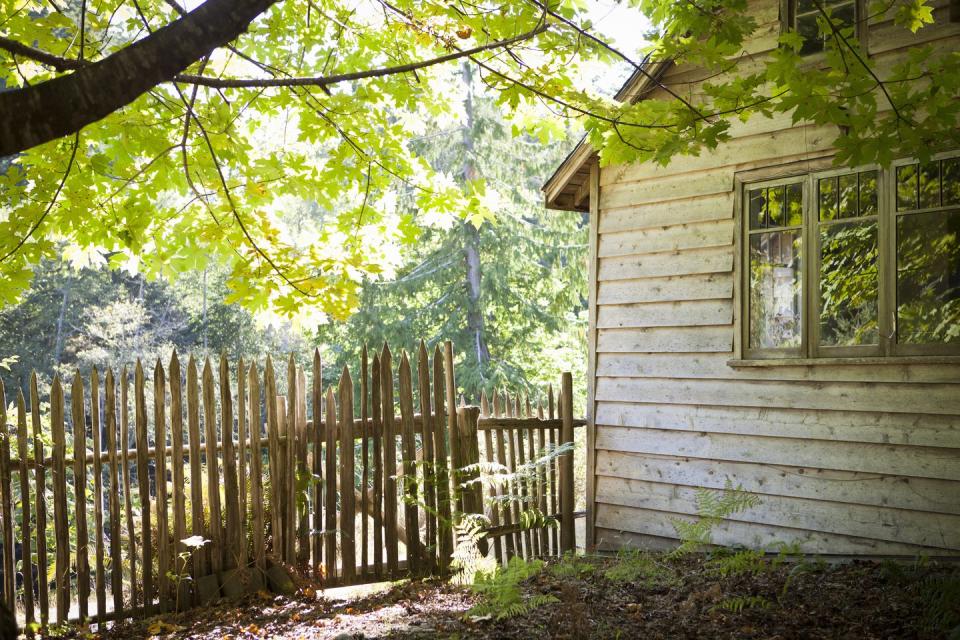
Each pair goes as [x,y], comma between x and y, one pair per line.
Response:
[846,459]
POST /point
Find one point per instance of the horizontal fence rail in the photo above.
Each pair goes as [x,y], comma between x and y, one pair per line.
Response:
[211,481]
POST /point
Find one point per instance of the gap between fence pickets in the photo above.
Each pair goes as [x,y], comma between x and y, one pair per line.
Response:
[485,424]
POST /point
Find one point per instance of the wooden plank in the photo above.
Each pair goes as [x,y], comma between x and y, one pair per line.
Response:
[98,535]
[61,527]
[845,426]
[917,462]
[390,520]
[282,479]
[317,485]
[25,511]
[681,237]
[113,492]
[364,461]
[533,493]
[303,474]
[718,339]
[670,289]
[515,484]
[568,539]
[256,472]
[665,187]
[143,482]
[493,509]
[717,365]
[215,527]
[411,490]
[127,496]
[841,487]
[732,532]
[445,521]
[200,558]
[714,206]
[273,459]
[82,553]
[451,388]
[330,508]
[348,518]
[940,531]
[503,487]
[179,479]
[554,500]
[429,484]
[289,449]
[6,509]
[935,399]
[685,262]
[243,483]
[377,507]
[542,483]
[666,314]
[524,483]
[164,563]
[231,490]
[40,490]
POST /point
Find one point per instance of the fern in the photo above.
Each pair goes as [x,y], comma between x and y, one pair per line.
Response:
[941,612]
[712,508]
[500,590]
[739,603]
[746,561]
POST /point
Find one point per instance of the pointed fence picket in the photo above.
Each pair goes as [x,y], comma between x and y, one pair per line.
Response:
[358,482]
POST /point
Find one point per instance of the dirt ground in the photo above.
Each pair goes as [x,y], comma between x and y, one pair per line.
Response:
[628,597]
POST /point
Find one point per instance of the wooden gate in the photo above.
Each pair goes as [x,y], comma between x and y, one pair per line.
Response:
[226,481]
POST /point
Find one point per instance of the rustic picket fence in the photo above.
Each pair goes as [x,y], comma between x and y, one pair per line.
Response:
[270,481]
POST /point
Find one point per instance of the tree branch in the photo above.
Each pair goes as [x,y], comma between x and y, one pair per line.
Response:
[33,115]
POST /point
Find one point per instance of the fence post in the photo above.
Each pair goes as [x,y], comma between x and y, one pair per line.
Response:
[567,533]
[469,446]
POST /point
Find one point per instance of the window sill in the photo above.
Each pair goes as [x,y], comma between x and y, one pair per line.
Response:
[849,361]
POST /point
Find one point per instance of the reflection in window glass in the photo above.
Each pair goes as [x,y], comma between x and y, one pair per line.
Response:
[848,195]
[907,187]
[930,185]
[794,204]
[951,182]
[849,284]
[928,278]
[828,198]
[842,14]
[868,193]
[775,206]
[758,208]
[775,280]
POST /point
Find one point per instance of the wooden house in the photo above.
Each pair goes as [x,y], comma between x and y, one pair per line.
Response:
[761,315]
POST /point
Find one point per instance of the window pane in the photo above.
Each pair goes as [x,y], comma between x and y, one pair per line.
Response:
[775,198]
[930,185]
[757,208]
[868,193]
[907,187]
[775,281]
[843,16]
[848,195]
[810,32]
[794,204]
[849,284]
[951,182]
[928,278]
[828,198]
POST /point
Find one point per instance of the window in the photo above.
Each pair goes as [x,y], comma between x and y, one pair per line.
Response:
[807,14]
[853,262]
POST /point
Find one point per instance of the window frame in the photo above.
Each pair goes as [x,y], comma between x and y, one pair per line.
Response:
[810,351]
[789,10]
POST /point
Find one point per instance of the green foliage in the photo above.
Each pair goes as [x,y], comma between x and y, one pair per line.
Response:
[572,565]
[738,604]
[636,566]
[501,593]
[712,508]
[743,562]
[941,597]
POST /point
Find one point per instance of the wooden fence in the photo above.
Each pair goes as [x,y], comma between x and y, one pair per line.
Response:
[306,481]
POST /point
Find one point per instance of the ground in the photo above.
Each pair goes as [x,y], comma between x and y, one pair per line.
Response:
[631,596]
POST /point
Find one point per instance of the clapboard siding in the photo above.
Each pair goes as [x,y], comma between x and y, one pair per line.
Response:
[847,457]
[854,487]
[823,516]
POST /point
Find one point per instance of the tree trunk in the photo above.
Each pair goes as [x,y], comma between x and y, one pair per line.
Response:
[58,343]
[38,113]
[471,244]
